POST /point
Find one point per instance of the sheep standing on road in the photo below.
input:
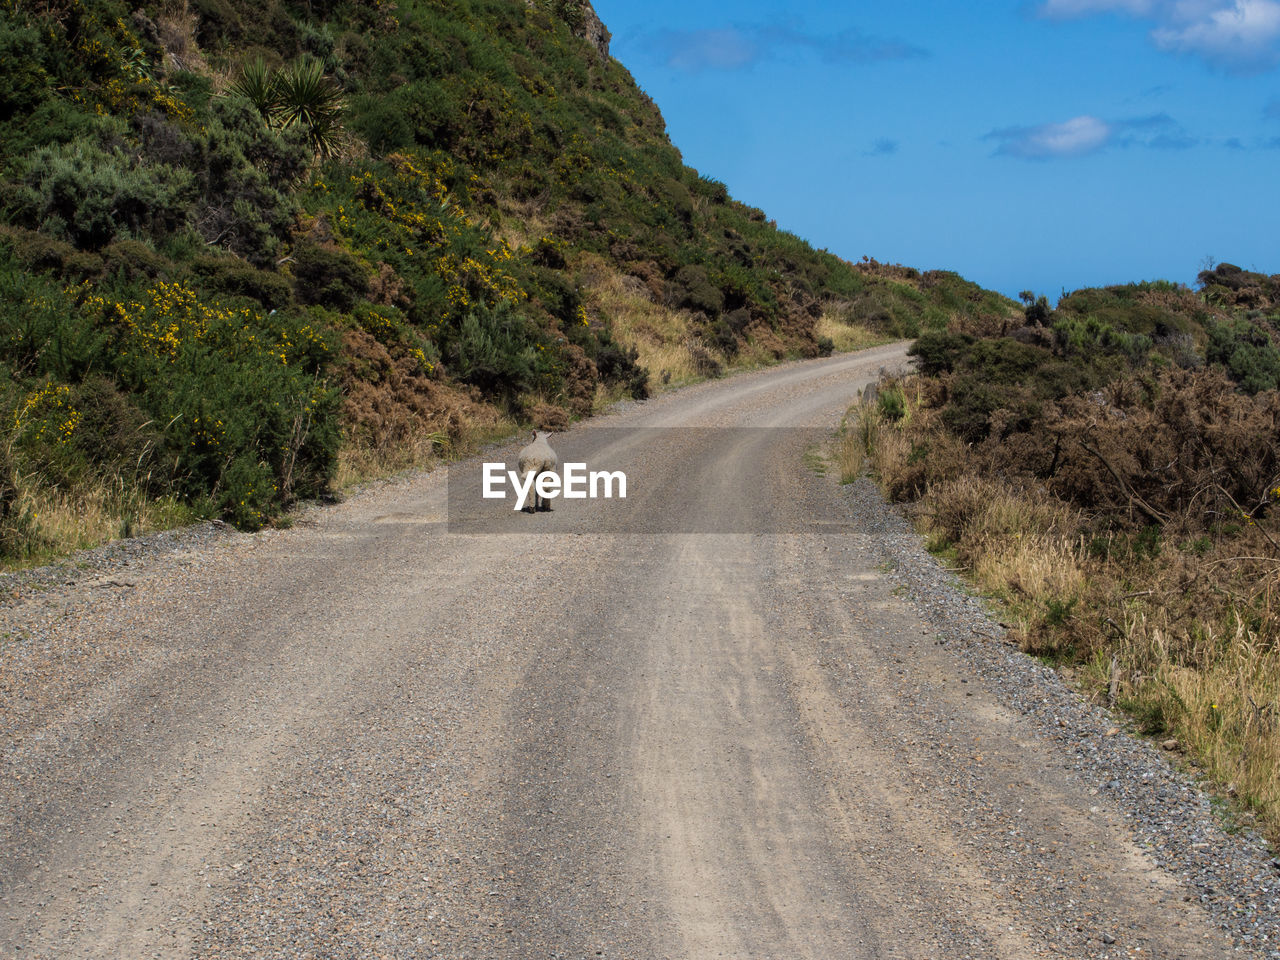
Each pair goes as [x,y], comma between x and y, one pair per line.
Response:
[537,458]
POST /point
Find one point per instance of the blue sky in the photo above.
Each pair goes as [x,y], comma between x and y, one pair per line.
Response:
[1044,145]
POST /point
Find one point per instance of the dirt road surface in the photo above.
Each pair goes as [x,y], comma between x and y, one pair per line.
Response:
[570,736]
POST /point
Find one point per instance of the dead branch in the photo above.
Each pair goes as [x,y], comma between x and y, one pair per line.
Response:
[1151,512]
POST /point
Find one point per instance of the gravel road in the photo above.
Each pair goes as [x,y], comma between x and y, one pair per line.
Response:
[644,729]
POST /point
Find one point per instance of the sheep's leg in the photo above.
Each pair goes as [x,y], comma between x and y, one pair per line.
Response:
[531,504]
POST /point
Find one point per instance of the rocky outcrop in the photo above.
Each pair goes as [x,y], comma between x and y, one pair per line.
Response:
[592,29]
[582,19]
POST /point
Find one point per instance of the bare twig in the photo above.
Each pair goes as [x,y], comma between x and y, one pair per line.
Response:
[1146,508]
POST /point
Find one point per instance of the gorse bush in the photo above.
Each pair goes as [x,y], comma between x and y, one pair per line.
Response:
[184,394]
[496,351]
[88,195]
[1110,469]
[1248,353]
[439,194]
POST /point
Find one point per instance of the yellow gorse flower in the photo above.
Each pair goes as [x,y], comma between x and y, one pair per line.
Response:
[46,413]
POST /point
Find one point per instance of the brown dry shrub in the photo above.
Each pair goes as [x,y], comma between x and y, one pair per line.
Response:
[764,339]
[795,324]
[1230,286]
[176,26]
[650,274]
[916,452]
[580,380]
[1193,457]
[704,362]
[1180,621]
[394,412]
[923,457]
[388,289]
[893,271]
[548,416]
[985,325]
[1179,301]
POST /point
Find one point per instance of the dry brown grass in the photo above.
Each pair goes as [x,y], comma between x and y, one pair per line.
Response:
[523,224]
[661,336]
[846,336]
[851,449]
[1188,626]
[94,514]
[177,23]
[359,463]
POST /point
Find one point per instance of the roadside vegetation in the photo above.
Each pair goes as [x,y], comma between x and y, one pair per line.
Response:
[251,252]
[1109,469]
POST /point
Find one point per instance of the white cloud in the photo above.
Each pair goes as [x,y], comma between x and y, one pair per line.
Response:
[1071,138]
[1240,36]
[1086,134]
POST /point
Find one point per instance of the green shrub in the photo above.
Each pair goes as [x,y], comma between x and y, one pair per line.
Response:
[1248,352]
[113,436]
[257,83]
[496,351]
[231,276]
[23,81]
[132,261]
[1036,309]
[245,173]
[381,122]
[328,277]
[43,334]
[720,335]
[892,404]
[309,100]
[1091,336]
[248,420]
[937,351]
[86,194]
[691,289]
[618,365]
[38,251]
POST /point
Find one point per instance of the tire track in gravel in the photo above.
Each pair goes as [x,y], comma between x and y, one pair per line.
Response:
[367,737]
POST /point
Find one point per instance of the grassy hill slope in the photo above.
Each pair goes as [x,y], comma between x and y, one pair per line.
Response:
[247,247]
[1110,468]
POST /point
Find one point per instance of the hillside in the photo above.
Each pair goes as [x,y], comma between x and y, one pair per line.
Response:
[1110,468]
[247,248]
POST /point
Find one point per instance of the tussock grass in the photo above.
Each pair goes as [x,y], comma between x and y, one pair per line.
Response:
[847,336]
[62,522]
[661,336]
[1183,631]
[423,449]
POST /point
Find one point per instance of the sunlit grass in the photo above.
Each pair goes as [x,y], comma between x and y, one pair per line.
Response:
[1196,664]
[845,336]
[94,514]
